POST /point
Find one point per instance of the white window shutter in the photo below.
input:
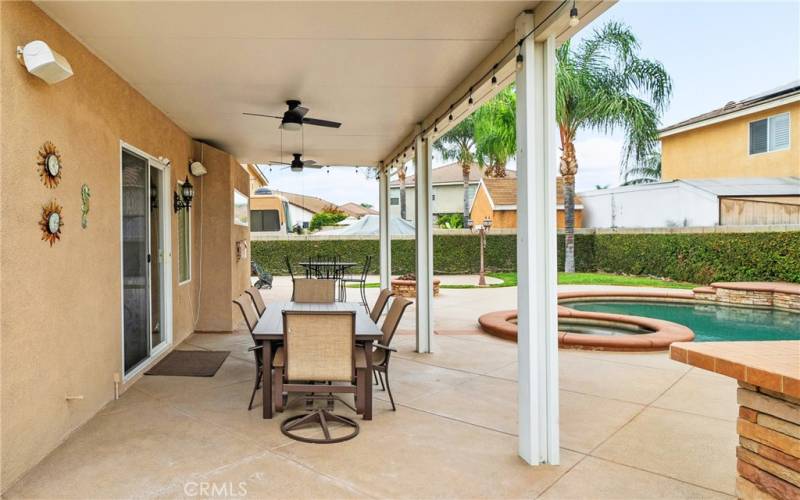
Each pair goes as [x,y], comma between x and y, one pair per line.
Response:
[779,132]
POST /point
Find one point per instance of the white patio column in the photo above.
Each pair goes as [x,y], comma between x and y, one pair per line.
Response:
[385,239]
[424,239]
[537,341]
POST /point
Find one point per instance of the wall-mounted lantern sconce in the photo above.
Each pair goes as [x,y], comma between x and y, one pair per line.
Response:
[184,200]
[42,61]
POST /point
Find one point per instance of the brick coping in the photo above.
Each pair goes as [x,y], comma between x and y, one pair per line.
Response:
[760,286]
[770,364]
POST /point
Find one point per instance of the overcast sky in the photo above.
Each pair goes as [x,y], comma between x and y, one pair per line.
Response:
[715,51]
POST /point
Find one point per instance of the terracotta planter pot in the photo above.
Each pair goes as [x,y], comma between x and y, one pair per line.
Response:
[408,288]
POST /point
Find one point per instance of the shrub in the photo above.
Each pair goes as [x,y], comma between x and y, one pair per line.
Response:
[328,217]
[702,257]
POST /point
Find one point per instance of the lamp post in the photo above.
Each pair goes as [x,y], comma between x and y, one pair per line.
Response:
[481,229]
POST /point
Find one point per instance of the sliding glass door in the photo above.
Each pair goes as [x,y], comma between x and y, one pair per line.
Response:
[142,258]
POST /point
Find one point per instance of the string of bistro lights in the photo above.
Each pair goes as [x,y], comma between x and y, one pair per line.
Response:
[468,96]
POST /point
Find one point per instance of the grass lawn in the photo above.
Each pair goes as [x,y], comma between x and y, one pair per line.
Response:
[510,279]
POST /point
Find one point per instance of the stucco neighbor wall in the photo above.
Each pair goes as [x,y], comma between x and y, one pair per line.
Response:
[60,306]
[722,150]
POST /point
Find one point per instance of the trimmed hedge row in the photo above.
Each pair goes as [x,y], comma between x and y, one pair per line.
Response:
[702,257]
[457,254]
[692,257]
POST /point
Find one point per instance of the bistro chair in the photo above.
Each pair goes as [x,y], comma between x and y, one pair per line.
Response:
[382,352]
[258,300]
[291,274]
[380,304]
[319,347]
[362,284]
[314,291]
[245,304]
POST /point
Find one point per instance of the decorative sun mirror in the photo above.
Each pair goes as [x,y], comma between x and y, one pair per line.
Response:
[51,222]
[49,165]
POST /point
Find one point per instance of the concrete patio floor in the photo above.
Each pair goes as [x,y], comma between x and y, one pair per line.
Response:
[632,426]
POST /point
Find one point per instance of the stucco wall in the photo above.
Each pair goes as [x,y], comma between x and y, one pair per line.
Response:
[722,150]
[507,219]
[60,305]
[223,277]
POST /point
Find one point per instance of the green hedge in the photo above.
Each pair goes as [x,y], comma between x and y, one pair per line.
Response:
[695,257]
[456,254]
[702,257]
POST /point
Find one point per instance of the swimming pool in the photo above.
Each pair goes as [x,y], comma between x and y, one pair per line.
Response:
[709,322]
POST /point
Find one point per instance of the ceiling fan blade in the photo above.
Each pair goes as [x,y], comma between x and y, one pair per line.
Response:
[263,116]
[309,162]
[321,123]
[312,165]
[300,111]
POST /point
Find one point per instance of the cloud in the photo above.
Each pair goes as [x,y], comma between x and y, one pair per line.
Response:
[598,161]
[340,185]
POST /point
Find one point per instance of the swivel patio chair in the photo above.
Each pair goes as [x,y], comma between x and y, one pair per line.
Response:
[362,284]
[319,347]
[380,304]
[314,291]
[382,351]
[245,304]
[258,300]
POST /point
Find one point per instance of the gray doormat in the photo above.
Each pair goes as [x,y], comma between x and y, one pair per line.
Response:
[190,364]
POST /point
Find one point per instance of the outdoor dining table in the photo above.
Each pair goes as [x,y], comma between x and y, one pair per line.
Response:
[329,266]
[270,329]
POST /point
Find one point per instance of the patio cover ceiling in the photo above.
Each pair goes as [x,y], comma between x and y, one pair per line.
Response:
[378,67]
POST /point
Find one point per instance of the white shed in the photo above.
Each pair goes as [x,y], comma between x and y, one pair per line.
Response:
[695,202]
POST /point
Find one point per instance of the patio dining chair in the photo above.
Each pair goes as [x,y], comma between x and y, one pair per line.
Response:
[314,291]
[319,349]
[258,300]
[361,280]
[383,351]
[245,303]
[380,304]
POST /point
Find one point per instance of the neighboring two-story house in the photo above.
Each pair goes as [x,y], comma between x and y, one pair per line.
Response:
[448,190]
[736,165]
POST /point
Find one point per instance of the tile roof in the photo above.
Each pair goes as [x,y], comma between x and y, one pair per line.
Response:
[356,210]
[504,191]
[310,203]
[775,94]
[450,173]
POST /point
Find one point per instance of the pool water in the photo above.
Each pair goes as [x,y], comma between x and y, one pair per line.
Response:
[709,322]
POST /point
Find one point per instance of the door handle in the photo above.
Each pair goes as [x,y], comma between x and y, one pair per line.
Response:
[148,258]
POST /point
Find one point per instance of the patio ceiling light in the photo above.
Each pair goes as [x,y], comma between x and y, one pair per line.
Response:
[573,15]
[42,61]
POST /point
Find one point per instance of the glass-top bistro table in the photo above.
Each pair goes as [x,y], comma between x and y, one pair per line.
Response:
[326,268]
[270,329]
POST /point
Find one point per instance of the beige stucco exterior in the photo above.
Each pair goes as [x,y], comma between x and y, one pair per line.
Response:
[61,305]
[722,150]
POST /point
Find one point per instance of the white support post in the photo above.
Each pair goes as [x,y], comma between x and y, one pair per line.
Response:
[537,341]
[384,238]
[424,242]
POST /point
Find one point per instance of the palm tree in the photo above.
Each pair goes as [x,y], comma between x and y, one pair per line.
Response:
[648,170]
[603,84]
[458,144]
[401,177]
[496,132]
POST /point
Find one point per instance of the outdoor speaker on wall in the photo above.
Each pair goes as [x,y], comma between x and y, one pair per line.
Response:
[44,62]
